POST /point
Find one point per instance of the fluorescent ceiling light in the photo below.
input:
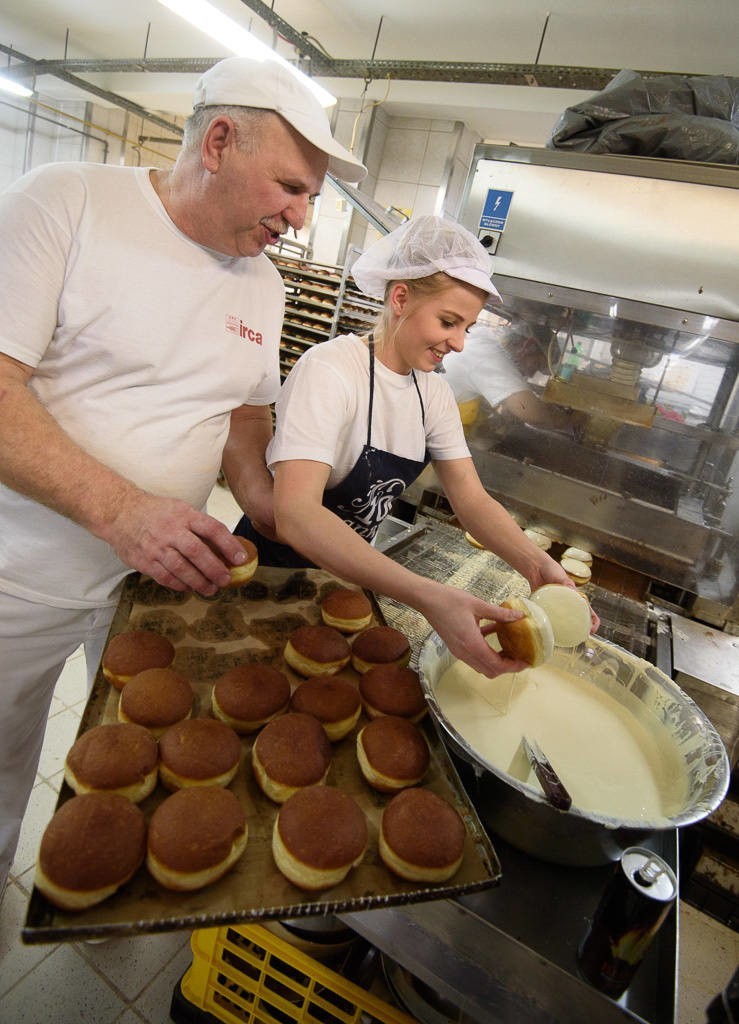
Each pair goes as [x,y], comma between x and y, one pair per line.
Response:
[238,40]
[8,85]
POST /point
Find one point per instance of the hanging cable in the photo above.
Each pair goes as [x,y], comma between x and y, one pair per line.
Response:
[367,83]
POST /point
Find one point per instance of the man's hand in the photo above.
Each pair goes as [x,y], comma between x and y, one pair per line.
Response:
[172,542]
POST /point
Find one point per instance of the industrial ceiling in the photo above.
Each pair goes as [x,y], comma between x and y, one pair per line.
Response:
[507,69]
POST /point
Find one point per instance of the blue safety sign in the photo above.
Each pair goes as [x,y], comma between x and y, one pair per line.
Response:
[495,211]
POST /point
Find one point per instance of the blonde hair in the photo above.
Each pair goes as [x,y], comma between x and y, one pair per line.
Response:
[419,288]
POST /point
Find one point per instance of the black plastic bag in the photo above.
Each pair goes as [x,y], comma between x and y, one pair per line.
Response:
[694,118]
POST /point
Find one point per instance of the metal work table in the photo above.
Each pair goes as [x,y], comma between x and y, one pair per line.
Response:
[508,955]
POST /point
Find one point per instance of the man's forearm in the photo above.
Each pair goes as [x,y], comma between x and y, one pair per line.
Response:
[39,460]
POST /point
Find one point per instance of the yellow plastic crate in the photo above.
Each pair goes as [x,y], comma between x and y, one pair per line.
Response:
[244,973]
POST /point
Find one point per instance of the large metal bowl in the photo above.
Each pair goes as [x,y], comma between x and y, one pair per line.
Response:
[518,812]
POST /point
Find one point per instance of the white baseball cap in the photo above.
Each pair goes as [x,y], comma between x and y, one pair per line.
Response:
[421,247]
[269,85]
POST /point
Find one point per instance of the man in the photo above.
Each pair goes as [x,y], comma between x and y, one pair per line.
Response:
[488,367]
[139,352]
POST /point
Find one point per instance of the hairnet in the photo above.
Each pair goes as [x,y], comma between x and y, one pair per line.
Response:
[421,247]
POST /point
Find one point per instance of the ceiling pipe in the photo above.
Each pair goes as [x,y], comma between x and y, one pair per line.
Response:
[33,68]
[481,73]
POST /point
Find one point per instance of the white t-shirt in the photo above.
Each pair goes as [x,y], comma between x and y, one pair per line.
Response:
[321,412]
[142,342]
[484,368]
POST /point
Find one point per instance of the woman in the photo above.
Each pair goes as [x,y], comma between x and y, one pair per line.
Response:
[358,419]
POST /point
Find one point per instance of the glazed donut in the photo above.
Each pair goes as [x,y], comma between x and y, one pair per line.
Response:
[578,571]
[317,651]
[92,846]
[392,753]
[529,639]
[319,835]
[380,645]
[195,836]
[392,690]
[421,837]
[119,757]
[248,696]
[156,698]
[568,611]
[346,610]
[131,652]
[334,701]
[540,539]
[198,752]
[579,554]
[291,752]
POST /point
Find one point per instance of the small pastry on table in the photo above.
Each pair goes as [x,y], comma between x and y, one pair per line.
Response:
[317,651]
[115,757]
[91,847]
[319,835]
[291,752]
[195,836]
[379,645]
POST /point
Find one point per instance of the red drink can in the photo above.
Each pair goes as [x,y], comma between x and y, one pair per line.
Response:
[633,906]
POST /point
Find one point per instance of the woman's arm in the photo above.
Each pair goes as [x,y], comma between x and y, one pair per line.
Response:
[493,526]
[304,523]
[244,467]
[488,521]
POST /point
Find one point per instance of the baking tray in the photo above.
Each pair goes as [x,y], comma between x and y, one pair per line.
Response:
[251,624]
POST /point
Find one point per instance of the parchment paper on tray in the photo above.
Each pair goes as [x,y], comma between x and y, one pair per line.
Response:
[251,624]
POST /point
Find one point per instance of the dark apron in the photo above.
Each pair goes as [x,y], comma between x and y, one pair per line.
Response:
[361,500]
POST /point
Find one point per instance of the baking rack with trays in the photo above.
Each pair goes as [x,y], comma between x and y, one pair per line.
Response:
[252,623]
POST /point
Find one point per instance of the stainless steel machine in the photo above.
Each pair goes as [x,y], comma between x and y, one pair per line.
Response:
[623,274]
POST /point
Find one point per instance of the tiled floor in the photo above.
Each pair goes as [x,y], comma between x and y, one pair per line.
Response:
[127,981]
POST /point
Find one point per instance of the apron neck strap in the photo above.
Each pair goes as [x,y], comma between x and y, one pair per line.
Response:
[371,387]
[371,345]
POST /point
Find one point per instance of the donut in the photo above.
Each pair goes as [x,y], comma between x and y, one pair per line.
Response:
[346,610]
[195,836]
[568,611]
[317,651]
[380,645]
[578,571]
[421,836]
[392,753]
[290,752]
[540,539]
[241,574]
[198,752]
[579,554]
[392,690]
[131,652]
[334,701]
[529,639]
[246,697]
[93,844]
[118,757]
[156,699]
[319,835]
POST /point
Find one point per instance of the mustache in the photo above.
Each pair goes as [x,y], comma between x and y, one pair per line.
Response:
[276,227]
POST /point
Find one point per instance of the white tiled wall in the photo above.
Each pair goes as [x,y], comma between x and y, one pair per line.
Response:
[73,130]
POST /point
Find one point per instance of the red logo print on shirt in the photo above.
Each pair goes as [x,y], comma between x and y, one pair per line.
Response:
[235,325]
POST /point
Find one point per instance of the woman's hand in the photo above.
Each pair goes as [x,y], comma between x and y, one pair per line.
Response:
[457,617]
